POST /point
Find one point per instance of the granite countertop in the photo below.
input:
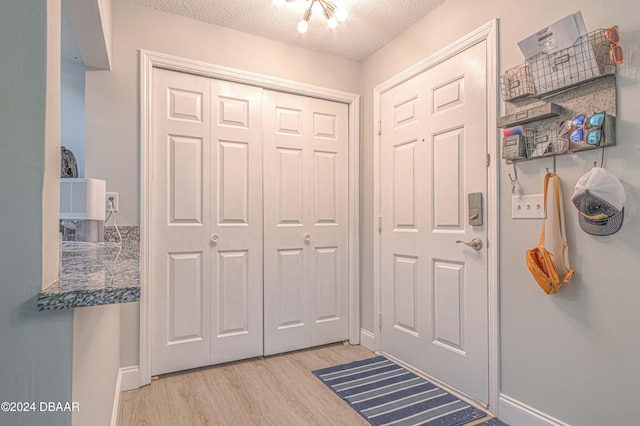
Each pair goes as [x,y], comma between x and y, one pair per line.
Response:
[96,275]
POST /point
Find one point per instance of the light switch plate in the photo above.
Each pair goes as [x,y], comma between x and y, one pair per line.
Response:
[527,207]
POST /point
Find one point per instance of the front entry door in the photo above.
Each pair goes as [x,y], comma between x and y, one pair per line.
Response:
[434,287]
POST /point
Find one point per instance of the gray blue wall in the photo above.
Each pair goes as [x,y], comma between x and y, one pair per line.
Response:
[574,355]
[36,347]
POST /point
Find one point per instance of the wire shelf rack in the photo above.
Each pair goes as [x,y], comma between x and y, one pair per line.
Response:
[548,73]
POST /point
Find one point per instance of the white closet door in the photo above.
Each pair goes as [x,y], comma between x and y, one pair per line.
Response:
[236,218]
[180,270]
[305,222]
[206,272]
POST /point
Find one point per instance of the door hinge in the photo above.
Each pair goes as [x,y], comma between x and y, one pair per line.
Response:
[379,223]
[488,159]
[380,320]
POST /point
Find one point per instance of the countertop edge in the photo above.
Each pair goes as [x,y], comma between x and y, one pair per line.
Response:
[83,298]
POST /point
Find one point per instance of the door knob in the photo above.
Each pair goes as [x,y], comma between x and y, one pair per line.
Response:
[475,244]
[215,238]
[307,237]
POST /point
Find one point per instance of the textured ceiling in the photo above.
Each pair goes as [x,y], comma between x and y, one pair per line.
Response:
[371,23]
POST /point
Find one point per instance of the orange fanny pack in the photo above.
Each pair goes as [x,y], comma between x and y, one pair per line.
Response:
[540,260]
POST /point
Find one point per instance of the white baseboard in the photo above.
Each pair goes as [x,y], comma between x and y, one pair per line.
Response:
[115,411]
[516,413]
[128,379]
[367,339]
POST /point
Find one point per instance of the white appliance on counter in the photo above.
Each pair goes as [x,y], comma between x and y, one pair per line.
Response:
[82,209]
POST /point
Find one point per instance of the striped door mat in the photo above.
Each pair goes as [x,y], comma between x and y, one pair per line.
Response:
[385,393]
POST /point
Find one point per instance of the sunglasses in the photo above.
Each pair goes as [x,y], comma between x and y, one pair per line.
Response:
[577,135]
[591,137]
[595,120]
[612,35]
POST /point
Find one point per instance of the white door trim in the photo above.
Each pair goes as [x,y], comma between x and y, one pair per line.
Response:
[488,32]
[149,60]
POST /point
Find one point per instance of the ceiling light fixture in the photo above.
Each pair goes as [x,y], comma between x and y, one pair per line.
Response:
[330,10]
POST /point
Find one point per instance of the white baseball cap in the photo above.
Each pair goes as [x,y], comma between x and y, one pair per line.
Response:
[599,198]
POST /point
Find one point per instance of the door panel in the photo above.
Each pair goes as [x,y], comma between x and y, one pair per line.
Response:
[448,174]
[405,162]
[459,125]
[291,307]
[185,180]
[305,216]
[448,305]
[325,189]
[286,274]
[327,297]
[447,95]
[207,222]
[403,205]
[186,105]
[290,198]
[236,191]
[434,290]
[185,289]
[180,272]
[233,171]
[405,291]
[233,297]
[328,218]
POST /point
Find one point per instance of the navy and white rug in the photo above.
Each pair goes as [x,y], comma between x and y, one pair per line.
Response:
[385,393]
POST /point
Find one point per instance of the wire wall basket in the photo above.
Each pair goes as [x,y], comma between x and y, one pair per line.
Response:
[517,83]
[547,73]
[544,143]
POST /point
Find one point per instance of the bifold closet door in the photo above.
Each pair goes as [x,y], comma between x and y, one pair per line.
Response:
[236,217]
[206,222]
[305,222]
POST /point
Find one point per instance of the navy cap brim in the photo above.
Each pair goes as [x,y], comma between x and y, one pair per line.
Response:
[602,227]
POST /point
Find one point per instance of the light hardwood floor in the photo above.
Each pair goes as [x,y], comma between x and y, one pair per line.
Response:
[277,390]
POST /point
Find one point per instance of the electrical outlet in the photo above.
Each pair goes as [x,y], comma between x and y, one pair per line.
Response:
[527,207]
[113,197]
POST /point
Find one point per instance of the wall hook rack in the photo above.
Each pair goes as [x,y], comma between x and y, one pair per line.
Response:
[595,163]
[514,180]
[542,95]
[554,166]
